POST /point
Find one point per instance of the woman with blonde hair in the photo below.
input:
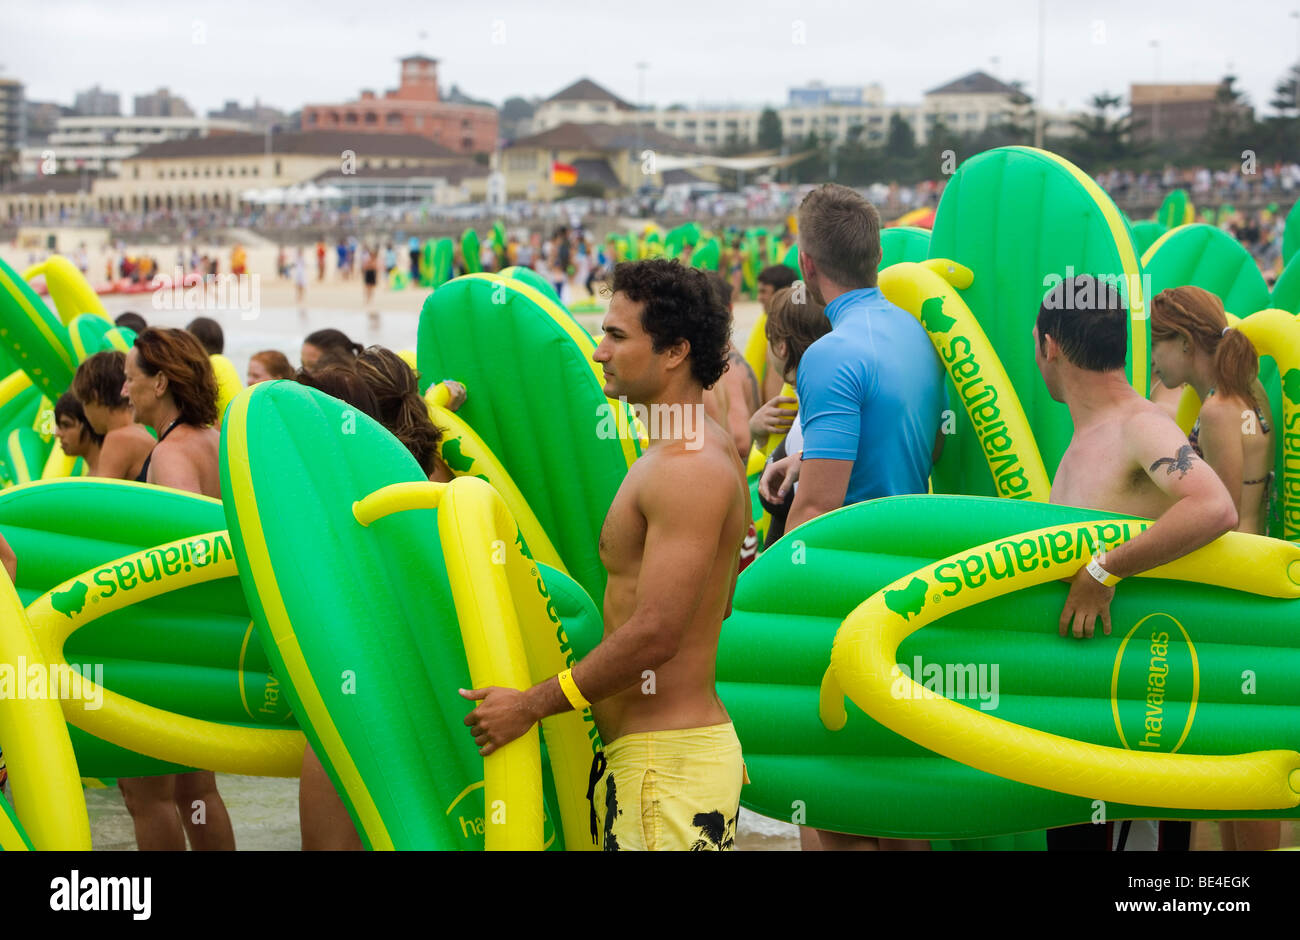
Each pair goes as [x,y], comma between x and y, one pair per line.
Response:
[1192,343]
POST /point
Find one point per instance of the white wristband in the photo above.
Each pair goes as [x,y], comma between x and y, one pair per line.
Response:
[1100,574]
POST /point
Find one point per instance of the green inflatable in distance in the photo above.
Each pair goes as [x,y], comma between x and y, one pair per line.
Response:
[499,244]
[1024,220]
[1003,656]
[470,251]
[533,280]
[34,338]
[707,255]
[900,243]
[1209,258]
[1145,234]
[1176,210]
[1286,289]
[1291,233]
[503,339]
[190,651]
[373,604]
[25,453]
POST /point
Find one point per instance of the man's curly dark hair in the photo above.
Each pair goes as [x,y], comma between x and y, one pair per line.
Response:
[680,303]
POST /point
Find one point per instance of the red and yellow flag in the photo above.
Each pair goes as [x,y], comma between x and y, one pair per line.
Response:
[562,174]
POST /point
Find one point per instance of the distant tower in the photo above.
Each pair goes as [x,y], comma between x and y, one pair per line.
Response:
[419,79]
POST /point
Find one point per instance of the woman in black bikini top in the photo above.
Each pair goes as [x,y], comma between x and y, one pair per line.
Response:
[169,382]
[144,467]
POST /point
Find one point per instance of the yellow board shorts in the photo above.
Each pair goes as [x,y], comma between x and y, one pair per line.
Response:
[669,790]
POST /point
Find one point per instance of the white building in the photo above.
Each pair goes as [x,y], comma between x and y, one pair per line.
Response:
[968,105]
[583,102]
[100,144]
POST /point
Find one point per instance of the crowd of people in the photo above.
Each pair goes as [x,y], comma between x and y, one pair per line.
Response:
[166,382]
[867,424]
[1240,181]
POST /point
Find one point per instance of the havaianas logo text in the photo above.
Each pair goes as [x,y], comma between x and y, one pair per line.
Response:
[157,563]
[981,401]
[561,637]
[1291,458]
[1022,555]
[1009,557]
[1157,670]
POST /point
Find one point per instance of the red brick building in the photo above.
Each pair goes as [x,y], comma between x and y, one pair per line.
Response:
[414,107]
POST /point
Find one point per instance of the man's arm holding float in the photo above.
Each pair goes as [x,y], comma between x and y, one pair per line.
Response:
[1203,512]
[822,485]
[684,508]
[831,404]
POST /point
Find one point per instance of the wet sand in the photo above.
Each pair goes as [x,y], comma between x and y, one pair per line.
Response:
[264,813]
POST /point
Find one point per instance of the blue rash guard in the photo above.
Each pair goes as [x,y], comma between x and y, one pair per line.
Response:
[871,391]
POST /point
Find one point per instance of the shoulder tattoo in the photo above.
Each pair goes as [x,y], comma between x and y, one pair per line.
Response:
[1179,463]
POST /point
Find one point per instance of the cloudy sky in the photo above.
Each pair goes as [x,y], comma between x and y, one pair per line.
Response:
[289,52]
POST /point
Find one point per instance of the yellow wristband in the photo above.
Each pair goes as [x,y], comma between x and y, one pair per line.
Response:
[570,690]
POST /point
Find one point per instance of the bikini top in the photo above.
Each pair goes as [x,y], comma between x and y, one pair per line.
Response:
[1264,428]
[144,468]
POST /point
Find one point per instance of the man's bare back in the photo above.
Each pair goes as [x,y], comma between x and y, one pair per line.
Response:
[123,452]
[1099,471]
[665,494]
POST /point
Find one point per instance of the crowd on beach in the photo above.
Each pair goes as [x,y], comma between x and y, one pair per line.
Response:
[1237,181]
[867,424]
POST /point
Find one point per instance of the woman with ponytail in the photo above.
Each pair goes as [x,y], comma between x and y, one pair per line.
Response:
[402,410]
[1191,342]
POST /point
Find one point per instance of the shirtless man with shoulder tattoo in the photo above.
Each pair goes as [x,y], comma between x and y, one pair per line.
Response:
[1126,456]
[671,772]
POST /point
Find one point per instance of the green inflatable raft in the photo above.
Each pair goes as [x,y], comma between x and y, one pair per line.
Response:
[480,329]
[365,629]
[1023,220]
[88,544]
[1003,658]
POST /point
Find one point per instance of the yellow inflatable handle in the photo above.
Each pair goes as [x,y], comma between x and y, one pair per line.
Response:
[776,437]
[229,384]
[68,288]
[163,735]
[756,348]
[48,798]
[513,637]
[512,775]
[483,463]
[58,465]
[864,667]
[13,385]
[928,291]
